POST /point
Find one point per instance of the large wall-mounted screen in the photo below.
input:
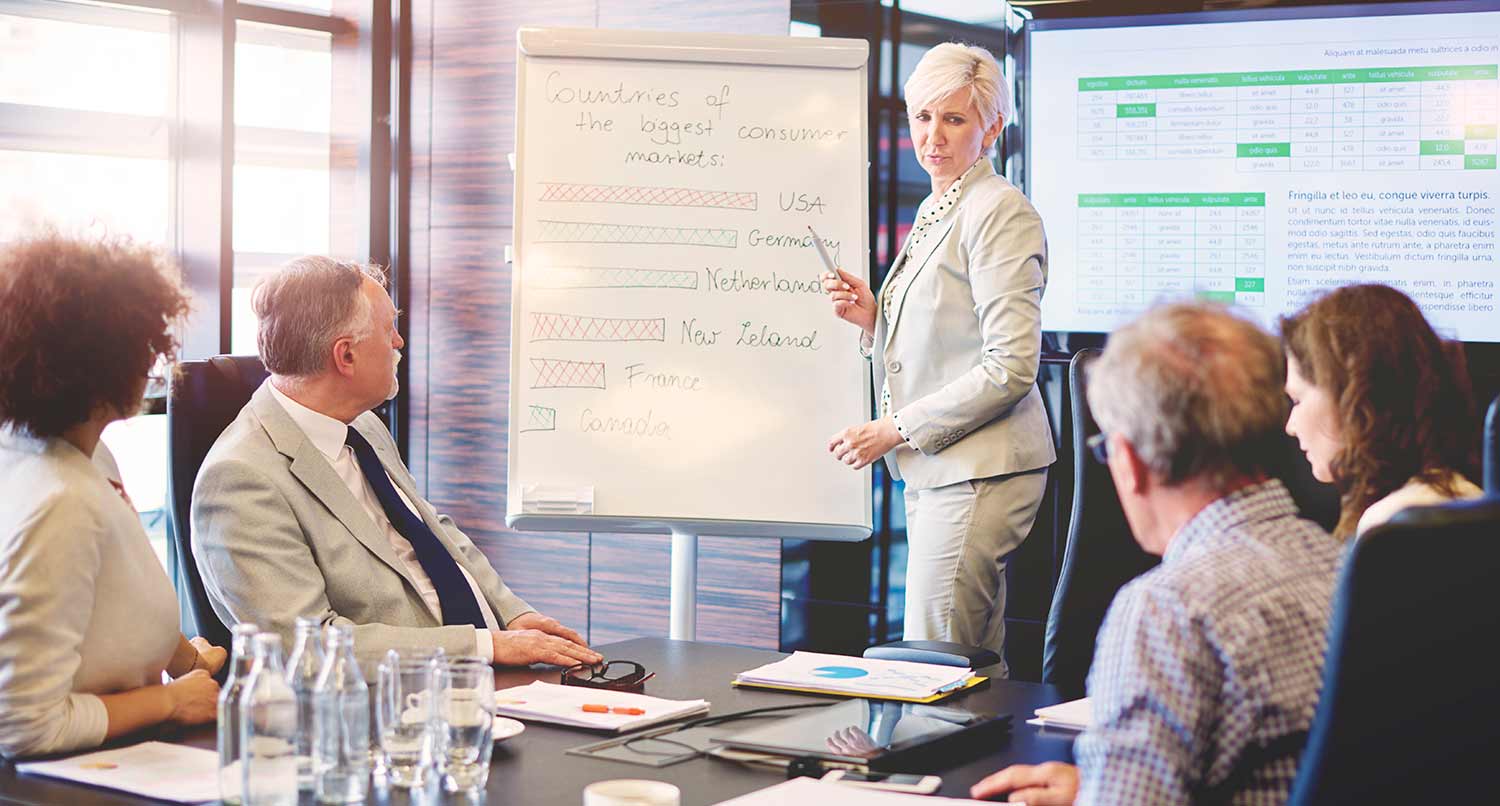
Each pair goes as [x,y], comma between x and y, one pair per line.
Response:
[1262,157]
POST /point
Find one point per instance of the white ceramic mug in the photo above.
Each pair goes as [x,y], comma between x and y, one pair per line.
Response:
[631,792]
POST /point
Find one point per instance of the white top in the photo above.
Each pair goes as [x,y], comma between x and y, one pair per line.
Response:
[85,606]
[1414,494]
[327,435]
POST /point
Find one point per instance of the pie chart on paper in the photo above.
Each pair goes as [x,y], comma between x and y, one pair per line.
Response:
[839,672]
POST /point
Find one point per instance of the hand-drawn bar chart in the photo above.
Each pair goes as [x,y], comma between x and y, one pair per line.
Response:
[571,327]
[1433,118]
[561,373]
[648,194]
[581,277]
[554,231]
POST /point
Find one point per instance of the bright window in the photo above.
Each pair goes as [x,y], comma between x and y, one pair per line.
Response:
[102,132]
[283,119]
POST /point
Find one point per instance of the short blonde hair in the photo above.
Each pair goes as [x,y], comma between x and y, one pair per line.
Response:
[1196,389]
[951,67]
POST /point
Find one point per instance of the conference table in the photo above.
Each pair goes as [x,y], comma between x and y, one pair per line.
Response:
[533,769]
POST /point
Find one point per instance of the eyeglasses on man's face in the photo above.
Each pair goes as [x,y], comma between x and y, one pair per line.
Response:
[1098,446]
[617,675]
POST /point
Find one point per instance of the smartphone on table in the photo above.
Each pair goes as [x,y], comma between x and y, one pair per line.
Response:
[889,781]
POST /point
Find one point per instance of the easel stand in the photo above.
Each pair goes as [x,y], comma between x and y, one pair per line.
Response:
[684,625]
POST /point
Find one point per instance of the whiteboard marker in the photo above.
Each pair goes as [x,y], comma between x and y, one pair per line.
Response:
[823,253]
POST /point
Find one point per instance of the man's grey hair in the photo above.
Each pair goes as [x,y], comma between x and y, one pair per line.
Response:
[307,305]
[1196,389]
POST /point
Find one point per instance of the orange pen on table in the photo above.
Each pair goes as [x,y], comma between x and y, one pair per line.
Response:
[594,708]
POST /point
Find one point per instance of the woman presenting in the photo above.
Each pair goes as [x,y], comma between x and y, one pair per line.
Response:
[954,337]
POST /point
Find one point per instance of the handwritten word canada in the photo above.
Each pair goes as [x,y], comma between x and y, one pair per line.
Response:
[631,426]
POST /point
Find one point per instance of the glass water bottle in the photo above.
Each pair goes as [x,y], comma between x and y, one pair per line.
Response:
[241,659]
[341,726]
[268,729]
[302,668]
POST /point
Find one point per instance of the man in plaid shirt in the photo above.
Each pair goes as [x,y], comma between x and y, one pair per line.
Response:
[1208,667]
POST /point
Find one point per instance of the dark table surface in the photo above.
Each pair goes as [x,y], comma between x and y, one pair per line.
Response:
[532,768]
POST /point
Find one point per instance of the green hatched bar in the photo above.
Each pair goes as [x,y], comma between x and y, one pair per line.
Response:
[1442,147]
[1480,131]
[1249,284]
[1473,72]
[1263,150]
[1217,296]
[1172,200]
[1135,110]
[1480,162]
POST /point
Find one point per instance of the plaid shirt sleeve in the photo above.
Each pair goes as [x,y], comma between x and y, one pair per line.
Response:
[1155,684]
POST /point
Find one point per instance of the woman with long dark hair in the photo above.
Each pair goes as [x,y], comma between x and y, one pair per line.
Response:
[1381,405]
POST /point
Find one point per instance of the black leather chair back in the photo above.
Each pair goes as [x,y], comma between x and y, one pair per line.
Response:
[1410,711]
[1101,553]
[205,397]
[1491,448]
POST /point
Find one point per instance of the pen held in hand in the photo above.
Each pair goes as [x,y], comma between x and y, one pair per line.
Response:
[823,253]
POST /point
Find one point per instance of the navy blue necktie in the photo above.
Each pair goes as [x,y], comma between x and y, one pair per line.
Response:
[455,597]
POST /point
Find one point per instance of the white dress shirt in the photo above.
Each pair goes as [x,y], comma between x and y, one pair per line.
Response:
[327,435]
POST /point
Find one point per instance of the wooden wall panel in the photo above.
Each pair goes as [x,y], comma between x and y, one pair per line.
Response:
[613,586]
[629,578]
[474,97]
[739,587]
[739,591]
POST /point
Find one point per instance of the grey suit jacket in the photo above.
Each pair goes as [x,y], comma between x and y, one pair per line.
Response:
[963,345]
[278,535]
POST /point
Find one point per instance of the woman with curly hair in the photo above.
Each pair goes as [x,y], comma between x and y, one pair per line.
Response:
[88,619]
[1380,404]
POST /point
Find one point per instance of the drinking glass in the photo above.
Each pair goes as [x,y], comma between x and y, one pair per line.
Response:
[468,710]
[408,719]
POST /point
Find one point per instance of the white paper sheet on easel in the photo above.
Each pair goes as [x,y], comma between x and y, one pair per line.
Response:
[155,769]
[799,791]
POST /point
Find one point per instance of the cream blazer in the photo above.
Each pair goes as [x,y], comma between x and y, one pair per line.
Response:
[962,345]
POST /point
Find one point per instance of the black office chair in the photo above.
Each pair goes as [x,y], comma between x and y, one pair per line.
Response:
[205,397]
[1101,554]
[1410,711]
[1491,447]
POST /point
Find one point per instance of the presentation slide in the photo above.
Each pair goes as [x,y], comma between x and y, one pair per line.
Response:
[1260,160]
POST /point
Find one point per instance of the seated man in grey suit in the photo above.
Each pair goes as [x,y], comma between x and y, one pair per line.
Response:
[304,508]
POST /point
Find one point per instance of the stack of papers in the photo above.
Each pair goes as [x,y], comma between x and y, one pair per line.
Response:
[1074,715]
[860,677]
[595,708]
[155,769]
